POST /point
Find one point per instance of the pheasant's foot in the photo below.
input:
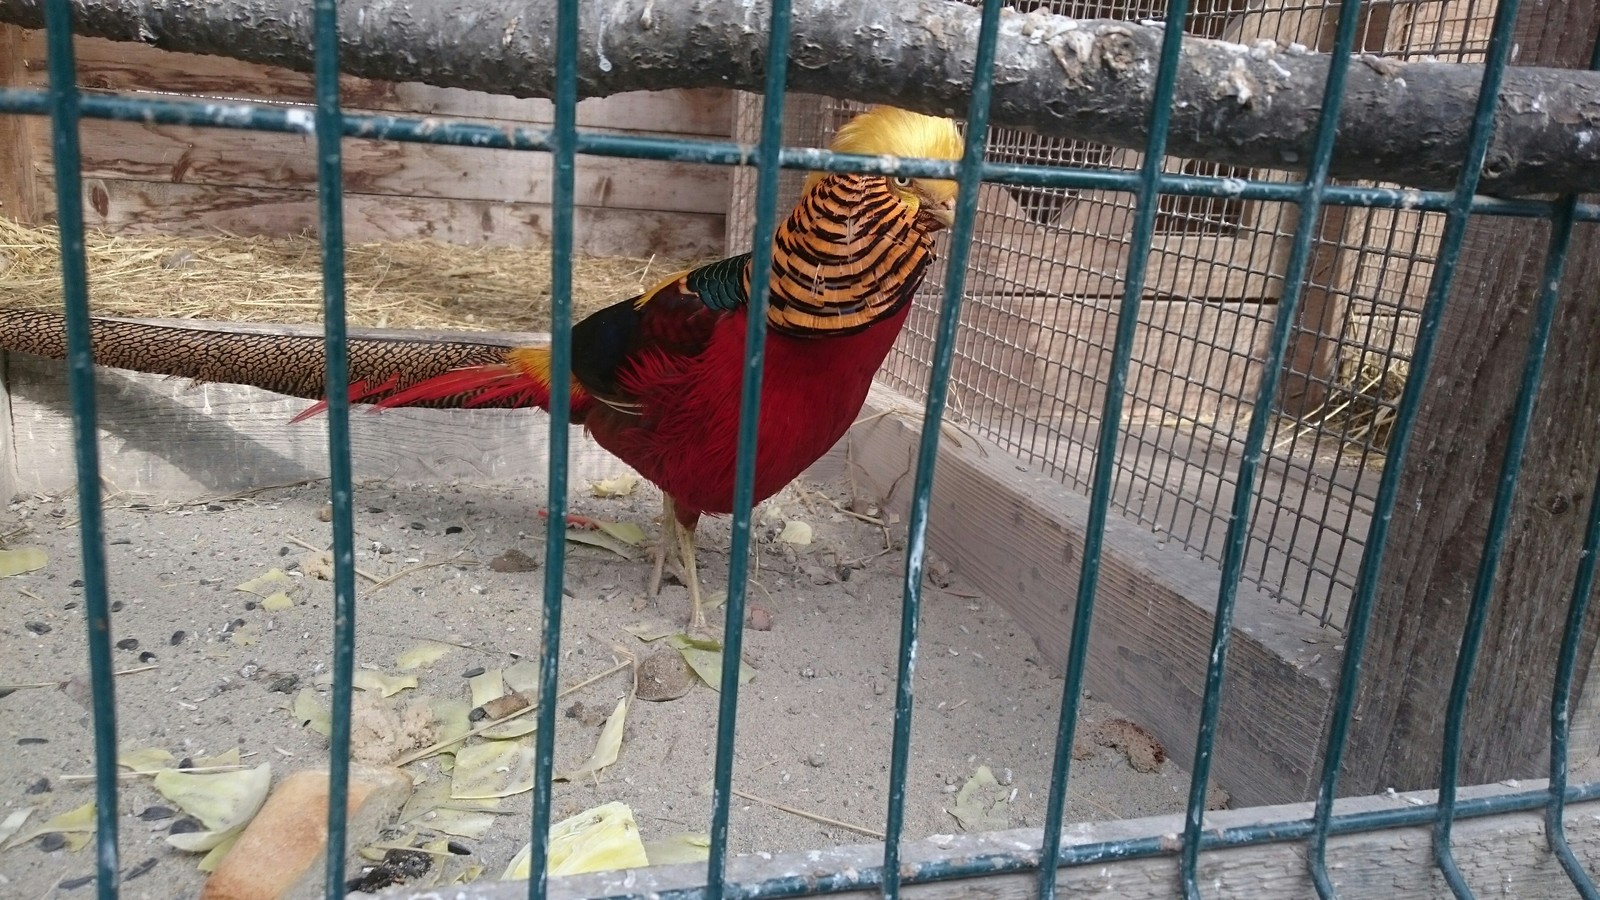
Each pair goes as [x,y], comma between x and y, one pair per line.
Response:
[691,579]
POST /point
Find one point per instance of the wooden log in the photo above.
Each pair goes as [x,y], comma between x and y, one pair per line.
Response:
[113,66]
[1018,537]
[1447,490]
[262,159]
[147,207]
[18,186]
[1503,855]
[175,439]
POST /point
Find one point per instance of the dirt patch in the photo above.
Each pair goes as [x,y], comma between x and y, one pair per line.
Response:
[814,727]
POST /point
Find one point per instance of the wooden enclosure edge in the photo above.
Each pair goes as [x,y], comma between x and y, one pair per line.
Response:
[1389,864]
[8,440]
[1018,536]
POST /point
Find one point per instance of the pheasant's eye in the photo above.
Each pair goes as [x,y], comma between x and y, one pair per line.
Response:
[902,183]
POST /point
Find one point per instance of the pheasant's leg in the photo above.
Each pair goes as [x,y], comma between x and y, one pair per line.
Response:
[691,575]
[669,530]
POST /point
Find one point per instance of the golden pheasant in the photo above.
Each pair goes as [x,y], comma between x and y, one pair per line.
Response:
[656,378]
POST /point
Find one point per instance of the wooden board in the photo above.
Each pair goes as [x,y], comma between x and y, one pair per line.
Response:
[263,159]
[18,199]
[123,66]
[1018,537]
[1502,855]
[165,208]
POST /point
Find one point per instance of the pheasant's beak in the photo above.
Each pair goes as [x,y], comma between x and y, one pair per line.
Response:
[941,211]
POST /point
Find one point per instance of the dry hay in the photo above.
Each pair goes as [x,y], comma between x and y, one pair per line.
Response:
[1359,412]
[420,284]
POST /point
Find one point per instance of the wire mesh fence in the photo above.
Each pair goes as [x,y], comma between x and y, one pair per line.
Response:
[1049,265]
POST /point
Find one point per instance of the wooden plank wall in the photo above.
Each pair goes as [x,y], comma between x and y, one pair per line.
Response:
[174,179]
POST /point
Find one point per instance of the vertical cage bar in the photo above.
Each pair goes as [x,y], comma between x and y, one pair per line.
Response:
[744,477]
[1410,401]
[1147,199]
[1494,545]
[967,185]
[1261,418]
[1561,704]
[64,114]
[1567,660]
[330,209]
[563,151]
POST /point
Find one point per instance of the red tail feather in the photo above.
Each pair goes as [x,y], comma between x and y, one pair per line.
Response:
[523,380]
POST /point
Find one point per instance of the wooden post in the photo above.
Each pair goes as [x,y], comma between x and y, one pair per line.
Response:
[1447,490]
[18,186]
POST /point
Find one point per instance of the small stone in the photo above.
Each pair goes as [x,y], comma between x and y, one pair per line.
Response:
[249,670]
[663,676]
[759,618]
[42,786]
[128,644]
[816,760]
[808,672]
[37,627]
[283,684]
[325,514]
[513,560]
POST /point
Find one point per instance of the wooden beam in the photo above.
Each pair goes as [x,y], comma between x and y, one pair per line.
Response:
[1391,864]
[1018,537]
[152,207]
[1447,490]
[18,182]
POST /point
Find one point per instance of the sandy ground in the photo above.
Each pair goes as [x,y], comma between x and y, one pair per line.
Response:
[814,725]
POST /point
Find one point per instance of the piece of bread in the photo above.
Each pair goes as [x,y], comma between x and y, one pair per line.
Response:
[280,855]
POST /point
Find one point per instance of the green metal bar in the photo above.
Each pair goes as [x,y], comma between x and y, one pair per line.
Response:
[928,444]
[465,134]
[744,469]
[1400,437]
[1577,610]
[1147,194]
[330,208]
[64,115]
[1261,417]
[1145,847]
[564,139]
[1561,704]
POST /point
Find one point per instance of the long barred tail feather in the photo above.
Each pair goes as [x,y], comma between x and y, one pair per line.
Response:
[384,371]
